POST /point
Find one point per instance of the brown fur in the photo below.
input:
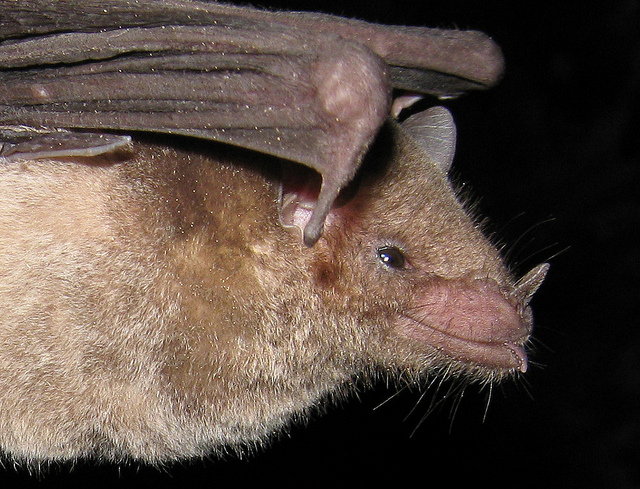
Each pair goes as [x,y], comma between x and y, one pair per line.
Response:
[152,306]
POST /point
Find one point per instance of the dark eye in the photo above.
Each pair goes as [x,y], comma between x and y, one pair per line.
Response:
[392,257]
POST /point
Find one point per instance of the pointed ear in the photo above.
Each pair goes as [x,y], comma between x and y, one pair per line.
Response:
[435,131]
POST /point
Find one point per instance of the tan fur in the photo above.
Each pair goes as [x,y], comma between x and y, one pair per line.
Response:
[152,306]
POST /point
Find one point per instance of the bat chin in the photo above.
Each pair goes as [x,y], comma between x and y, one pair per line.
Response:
[471,321]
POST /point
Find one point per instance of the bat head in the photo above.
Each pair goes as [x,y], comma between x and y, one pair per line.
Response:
[418,273]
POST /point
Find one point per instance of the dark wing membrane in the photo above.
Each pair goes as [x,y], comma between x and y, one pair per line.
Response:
[443,62]
[440,62]
[272,91]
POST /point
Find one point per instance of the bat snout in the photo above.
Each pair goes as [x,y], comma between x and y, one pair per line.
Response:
[473,321]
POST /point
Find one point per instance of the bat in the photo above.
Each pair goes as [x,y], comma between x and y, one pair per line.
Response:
[160,297]
[304,87]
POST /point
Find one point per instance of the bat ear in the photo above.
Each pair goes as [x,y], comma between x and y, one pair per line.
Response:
[299,192]
[26,143]
[435,131]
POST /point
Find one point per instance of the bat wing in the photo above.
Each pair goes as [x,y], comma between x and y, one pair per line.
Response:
[300,86]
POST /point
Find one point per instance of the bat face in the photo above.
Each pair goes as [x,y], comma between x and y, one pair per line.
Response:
[405,255]
[154,305]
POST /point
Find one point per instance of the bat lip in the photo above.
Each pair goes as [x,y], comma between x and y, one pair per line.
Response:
[509,355]
[470,320]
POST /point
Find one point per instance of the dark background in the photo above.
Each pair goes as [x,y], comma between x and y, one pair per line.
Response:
[553,156]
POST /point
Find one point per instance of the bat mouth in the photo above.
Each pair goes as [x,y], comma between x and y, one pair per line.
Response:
[505,355]
[472,321]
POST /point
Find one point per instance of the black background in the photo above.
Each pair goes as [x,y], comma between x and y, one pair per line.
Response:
[553,156]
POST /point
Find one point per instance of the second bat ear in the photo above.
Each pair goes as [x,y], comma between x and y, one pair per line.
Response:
[435,131]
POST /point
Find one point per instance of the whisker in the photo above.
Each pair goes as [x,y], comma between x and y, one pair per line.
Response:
[526,386]
[488,402]
[430,409]
[516,243]
[508,223]
[555,255]
[456,404]
[392,396]
[536,343]
[530,256]
[424,393]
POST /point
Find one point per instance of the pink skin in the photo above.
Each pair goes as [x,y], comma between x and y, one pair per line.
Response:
[470,320]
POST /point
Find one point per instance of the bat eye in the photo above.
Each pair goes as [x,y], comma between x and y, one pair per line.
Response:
[392,257]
